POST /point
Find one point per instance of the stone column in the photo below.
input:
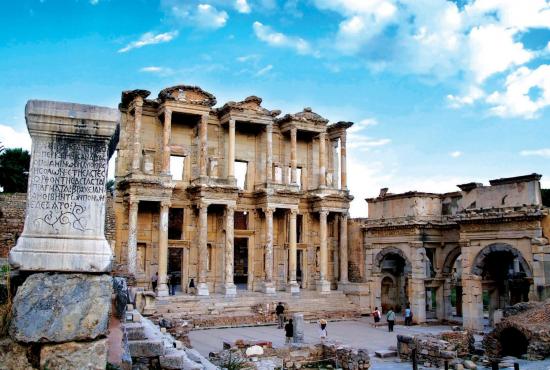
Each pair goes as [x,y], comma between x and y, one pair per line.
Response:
[472,302]
[293,286]
[335,164]
[269,153]
[231,157]
[162,288]
[293,159]
[202,287]
[322,160]
[343,248]
[166,133]
[343,162]
[322,284]
[131,256]
[229,286]
[203,144]
[136,147]
[417,288]
[269,287]
[298,327]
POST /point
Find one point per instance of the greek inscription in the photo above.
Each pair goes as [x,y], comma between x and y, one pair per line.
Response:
[66,179]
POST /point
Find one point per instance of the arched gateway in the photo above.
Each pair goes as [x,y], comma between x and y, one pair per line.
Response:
[394,269]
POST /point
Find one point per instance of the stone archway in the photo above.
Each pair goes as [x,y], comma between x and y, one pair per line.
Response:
[480,262]
[452,286]
[391,251]
[394,269]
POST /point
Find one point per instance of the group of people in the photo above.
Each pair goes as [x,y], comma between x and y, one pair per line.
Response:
[170,283]
[390,316]
[289,326]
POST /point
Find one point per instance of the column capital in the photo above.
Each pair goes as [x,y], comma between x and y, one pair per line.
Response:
[133,202]
[293,212]
[205,117]
[138,101]
[230,207]
[344,215]
[269,210]
[232,121]
[165,203]
[202,205]
[323,212]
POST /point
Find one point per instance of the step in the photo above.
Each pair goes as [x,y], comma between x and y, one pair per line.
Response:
[134,330]
[385,353]
[146,348]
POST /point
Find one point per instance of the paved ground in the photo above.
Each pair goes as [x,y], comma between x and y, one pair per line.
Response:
[358,333]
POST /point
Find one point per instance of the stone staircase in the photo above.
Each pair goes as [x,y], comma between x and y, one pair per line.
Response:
[151,347]
[250,308]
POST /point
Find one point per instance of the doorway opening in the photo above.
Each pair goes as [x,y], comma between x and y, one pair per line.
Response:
[513,343]
[240,263]
[175,258]
[299,267]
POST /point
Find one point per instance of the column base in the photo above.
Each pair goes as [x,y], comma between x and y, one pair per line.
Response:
[293,287]
[323,286]
[268,288]
[342,285]
[202,289]
[162,290]
[230,290]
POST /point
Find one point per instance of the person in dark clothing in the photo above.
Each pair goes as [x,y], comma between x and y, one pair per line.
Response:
[289,332]
[280,311]
[390,318]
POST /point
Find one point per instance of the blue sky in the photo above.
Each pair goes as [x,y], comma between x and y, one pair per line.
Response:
[442,92]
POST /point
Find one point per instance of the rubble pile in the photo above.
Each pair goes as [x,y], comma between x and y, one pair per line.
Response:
[430,350]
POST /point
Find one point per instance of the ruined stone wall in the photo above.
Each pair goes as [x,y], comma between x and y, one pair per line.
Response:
[356,255]
[12,218]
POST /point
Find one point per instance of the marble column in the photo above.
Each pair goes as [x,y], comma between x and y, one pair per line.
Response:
[162,288]
[322,284]
[335,164]
[202,287]
[229,286]
[322,160]
[343,248]
[343,162]
[269,286]
[132,236]
[293,159]
[166,133]
[136,147]
[293,286]
[203,144]
[231,157]
[269,153]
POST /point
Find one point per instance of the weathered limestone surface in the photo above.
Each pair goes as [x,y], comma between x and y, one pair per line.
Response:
[298,327]
[65,217]
[61,308]
[74,355]
[13,356]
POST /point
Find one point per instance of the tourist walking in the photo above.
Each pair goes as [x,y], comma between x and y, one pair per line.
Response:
[323,334]
[173,284]
[280,311]
[376,314]
[408,316]
[168,284]
[154,280]
[390,318]
[289,332]
[192,286]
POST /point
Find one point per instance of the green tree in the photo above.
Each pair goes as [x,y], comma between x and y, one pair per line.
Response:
[545,197]
[110,185]
[14,170]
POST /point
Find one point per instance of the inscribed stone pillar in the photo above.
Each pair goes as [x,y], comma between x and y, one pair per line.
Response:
[298,327]
[162,288]
[322,160]
[292,283]
[269,287]
[136,146]
[293,159]
[417,288]
[203,144]
[322,284]
[231,156]
[64,223]
[343,162]
[472,302]
[131,256]
[343,248]
[202,287]
[229,286]
[166,133]
[269,153]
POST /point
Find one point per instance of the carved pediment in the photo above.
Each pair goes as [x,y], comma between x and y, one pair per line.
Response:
[252,104]
[188,94]
[307,116]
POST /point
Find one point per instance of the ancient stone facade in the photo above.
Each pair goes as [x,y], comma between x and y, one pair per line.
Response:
[457,254]
[12,218]
[227,197]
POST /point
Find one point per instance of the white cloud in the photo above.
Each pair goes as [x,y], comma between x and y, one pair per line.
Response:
[545,152]
[149,38]
[364,143]
[278,39]
[474,94]
[455,154]
[163,71]
[94,2]
[247,58]
[361,125]
[209,17]
[10,138]
[264,70]
[515,101]
[242,6]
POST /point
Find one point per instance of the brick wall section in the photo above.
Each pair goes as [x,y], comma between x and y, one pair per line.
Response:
[12,219]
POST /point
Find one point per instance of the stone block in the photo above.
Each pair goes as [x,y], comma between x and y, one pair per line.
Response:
[469,365]
[385,353]
[75,355]
[13,356]
[61,308]
[146,348]
[134,331]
